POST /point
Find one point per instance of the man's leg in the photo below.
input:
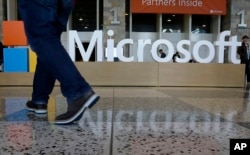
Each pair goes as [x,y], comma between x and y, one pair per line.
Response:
[40,20]
[44,81]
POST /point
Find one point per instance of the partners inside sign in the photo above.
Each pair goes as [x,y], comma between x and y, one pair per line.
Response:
[208,7]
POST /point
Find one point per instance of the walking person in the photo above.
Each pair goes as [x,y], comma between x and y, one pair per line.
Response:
[44,22]
[244,52]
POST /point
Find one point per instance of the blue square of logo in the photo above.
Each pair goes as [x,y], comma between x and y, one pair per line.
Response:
[15,60]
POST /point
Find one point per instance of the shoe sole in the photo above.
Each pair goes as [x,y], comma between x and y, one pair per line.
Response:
[89,104]
[37,111]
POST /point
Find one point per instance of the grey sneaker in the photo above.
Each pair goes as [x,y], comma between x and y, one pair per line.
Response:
[77,108]
[37,108]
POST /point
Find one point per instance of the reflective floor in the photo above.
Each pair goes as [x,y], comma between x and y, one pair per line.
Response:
[129,121]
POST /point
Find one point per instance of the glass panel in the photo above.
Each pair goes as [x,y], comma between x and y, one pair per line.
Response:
[5,10]
[84,16]
[100,14]
[201,24]
[127,13]
[172,23]
[144,22]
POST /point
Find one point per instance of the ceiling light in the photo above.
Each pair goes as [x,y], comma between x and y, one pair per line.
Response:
[80,19]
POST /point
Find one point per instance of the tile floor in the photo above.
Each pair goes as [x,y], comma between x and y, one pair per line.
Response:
[129,121]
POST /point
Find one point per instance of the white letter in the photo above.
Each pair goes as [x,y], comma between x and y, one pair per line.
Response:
[243,145]
[141,45]
[237,147]
[170,50]
[72,35]
[221,43]
[119,50]
[211,51]
[232,53]
[110,46]
[96,38]
[186,53]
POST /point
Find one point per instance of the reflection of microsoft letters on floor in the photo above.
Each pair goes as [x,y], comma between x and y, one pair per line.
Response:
[131,120]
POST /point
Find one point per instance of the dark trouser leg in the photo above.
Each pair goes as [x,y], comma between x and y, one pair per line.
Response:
[44,21]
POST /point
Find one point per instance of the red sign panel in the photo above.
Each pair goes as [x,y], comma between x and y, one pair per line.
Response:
[207,7]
